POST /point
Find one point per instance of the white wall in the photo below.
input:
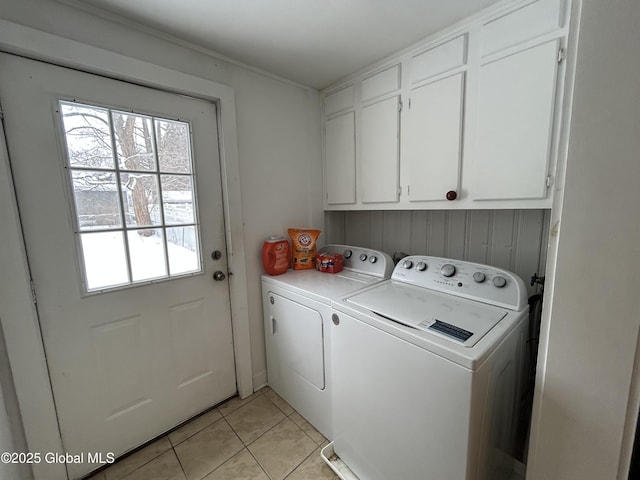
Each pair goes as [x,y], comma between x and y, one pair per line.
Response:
[277,127]
[583,401]
[510,239]
[281,184]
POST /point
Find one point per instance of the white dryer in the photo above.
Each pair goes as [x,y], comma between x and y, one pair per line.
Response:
[297,318]
[427,373]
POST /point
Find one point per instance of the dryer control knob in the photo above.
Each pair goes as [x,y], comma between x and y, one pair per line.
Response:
[421,266]
[363,257]
[479,277]
[347,253]
[407,264]
[448,270]
[373,259]
[499,281]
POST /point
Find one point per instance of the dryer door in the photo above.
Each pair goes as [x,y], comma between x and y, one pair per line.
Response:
[296,337]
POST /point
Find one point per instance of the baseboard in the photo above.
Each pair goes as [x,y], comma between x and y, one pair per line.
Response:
[519,468]
[259,380]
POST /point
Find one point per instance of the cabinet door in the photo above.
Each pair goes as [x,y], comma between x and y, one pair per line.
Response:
[380,127]
[340,160]
[294,334]
[432,136]
[514,125]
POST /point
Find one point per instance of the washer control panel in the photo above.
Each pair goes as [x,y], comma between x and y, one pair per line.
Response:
[362,260]
[474,281]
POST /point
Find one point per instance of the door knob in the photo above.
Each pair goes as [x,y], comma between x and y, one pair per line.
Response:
[219,276]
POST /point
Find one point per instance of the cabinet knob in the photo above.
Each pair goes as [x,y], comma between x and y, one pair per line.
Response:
[451,195]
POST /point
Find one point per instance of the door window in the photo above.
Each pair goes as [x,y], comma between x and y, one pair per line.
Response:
[132,182]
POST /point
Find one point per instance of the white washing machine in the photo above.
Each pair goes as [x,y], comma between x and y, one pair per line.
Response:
[297,317]
[427,373]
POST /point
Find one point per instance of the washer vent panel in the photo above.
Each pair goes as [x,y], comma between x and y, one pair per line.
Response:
[452,331]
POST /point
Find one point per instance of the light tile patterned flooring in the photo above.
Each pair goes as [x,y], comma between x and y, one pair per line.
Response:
[258,438]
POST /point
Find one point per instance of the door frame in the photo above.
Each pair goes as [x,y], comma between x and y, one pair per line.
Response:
[18,314]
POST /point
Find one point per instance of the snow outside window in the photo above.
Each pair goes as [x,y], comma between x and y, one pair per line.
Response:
[132,181]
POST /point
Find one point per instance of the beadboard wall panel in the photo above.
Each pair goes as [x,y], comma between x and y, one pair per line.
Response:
[512,239]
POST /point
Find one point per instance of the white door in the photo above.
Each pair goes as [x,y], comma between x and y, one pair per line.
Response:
[119,193]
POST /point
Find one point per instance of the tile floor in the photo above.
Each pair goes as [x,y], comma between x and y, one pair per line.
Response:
[258,438]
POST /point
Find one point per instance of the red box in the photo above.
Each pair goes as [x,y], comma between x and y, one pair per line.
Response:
[329,263]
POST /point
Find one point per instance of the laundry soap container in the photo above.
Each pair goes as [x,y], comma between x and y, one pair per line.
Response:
[276,255]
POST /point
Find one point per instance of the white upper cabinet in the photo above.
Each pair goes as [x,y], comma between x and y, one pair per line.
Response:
[379,163]
[340,147]
[436,60]
[340,159]
[339,101]
[432,139]
[470,119]
[386,81]
[515,124]
[525,23]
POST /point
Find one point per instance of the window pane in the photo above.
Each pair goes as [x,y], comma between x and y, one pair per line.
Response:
[174,146]
[177,199]
[182,243]
[96,197]
[134,141]
[105,261]
[146,250]
[132,179]
[140,199]
[87,136]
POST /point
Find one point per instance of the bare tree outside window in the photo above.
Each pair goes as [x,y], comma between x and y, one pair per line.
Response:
[131,176]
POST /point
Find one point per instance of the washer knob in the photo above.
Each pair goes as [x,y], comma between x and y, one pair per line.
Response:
[363,256]
[373,259]
[479,277]
[499,281]
[421,266]
[407,264]
[448,270]
[347,253]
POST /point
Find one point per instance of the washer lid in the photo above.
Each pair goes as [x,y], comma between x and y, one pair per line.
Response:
[458,320]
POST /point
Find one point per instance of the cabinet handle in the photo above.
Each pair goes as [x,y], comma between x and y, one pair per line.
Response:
[274,326]
[451,195]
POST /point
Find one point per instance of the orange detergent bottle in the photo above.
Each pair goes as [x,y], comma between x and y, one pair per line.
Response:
[275,255]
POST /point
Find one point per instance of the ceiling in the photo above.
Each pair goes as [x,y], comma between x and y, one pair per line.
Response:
[310,42]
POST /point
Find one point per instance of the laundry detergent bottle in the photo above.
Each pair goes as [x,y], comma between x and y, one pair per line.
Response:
[276,255]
